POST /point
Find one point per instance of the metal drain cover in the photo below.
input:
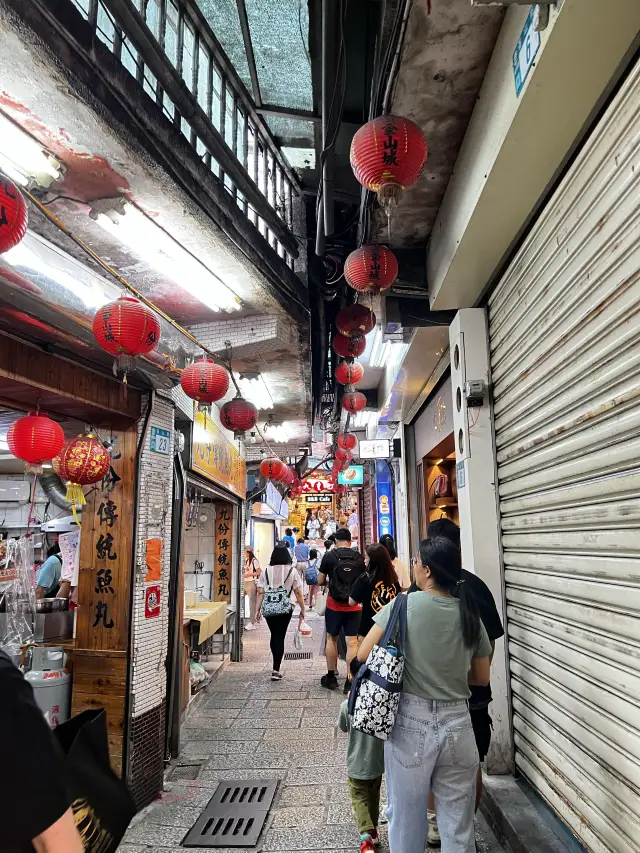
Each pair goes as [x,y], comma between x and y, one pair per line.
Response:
[298,655]
[186,771]
[234,816]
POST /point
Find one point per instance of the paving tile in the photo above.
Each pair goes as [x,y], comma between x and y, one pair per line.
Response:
[340,814]
[151,834]
[297,816]
[287,722]
[206,777]
[313,775]
[276,710]
[331,838]
[257,760]
[200,749]
[303,795]
[312,737]
[176,815]
[187,795]
[316,721]
[221,733]
[201,715]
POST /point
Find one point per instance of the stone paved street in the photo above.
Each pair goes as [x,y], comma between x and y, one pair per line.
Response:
[247,726]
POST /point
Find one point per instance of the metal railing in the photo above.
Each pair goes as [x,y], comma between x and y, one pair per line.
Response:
[191,49]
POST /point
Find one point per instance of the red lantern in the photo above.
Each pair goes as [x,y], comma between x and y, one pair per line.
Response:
[273,468]
[353,401]
[349,374]
[82,461]
[349,347]
[15,217]
[343,455]
[371,269]
[343,464]
[289,477]
[347,441]
[205,381]
[35,439]
[126,328]
[239,415]
[355,318]
[387,156]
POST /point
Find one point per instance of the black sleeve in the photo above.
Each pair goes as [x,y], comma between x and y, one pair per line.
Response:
[32,792]
[486,605]
[360,591]
[328,564]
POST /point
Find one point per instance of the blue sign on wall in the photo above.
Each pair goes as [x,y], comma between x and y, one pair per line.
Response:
[385,509]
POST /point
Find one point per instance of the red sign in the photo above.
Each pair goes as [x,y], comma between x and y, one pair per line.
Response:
[152,602]
[317,485]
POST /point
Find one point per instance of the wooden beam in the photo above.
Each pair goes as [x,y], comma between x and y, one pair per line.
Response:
[248,49]
[288,112]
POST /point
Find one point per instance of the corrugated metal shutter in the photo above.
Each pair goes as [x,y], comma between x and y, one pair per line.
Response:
[564,325]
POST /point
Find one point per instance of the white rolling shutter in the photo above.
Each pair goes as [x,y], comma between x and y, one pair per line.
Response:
[564,326]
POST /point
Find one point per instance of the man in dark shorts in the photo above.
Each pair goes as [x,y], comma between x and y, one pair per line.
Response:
[341,568]
[480,696]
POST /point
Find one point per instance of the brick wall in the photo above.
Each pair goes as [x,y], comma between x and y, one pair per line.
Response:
[248,335]
[150,635]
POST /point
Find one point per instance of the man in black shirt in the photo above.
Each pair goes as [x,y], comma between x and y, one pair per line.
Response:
[35,811]
[480,696]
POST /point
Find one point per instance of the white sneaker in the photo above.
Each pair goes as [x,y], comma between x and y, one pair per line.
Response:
[433,835]
[276,675]
[249,627]
[383,815]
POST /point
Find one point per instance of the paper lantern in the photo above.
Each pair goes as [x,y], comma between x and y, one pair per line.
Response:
[349,347]
[355,318]
[353,401]
[347,441]
[205,381]
[82,461]
[35,439]
[343,464]
[349,374]
[343,455]
[289,477]
[371,269]
[387,156]
[126,328]
[273,468]
[239,415]
[14,217]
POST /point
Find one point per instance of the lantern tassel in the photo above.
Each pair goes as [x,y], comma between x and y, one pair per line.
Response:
[75,495]
[35,468]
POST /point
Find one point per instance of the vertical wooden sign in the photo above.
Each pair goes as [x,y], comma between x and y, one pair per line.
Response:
[223,569]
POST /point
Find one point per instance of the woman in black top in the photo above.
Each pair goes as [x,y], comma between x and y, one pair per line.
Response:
[377,587]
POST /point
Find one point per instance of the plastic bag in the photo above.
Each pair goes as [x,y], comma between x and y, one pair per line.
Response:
[305,629]
[297,640]
[321,602]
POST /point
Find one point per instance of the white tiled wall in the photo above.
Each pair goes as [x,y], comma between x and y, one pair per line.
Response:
[199,546]
[154,521]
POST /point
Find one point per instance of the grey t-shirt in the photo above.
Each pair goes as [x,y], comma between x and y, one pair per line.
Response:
[365,754]
[437,661]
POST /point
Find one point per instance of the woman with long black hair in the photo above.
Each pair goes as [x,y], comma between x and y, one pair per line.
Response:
[432,745]
[377,587]
[280,574]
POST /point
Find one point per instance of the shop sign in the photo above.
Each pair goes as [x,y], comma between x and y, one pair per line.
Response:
[378,448]
[385,515]
[318,499]
[316,485]
[353,476]
[526,51]
[216,458]
[275,502]
[160,440]
[223,571]
[152,602]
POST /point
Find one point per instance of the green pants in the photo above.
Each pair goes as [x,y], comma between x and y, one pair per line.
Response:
[365,801]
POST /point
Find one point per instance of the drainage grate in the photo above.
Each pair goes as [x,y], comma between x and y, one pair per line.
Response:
[186,771]
[234,816]
[298,655]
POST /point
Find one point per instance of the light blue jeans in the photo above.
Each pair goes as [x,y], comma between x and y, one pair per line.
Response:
[431,748]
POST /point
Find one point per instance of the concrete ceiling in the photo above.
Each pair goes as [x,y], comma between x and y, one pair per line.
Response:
[445,56]
[102,161]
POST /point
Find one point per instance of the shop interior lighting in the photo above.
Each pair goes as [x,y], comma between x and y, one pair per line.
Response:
[24,259]
[280,433]
[168,257]
[254,389]
[23,160]
[365,419]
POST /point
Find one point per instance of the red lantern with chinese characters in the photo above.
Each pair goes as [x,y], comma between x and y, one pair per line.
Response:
[205,381]
[35,439]
[238,415]
[82,461]
[353,401]
[14,217]
[387,156]
[126,328]
[355,318]
[343,455]
[347,441]
[349,347]
[371,269]
[349,374]
[273,468]
[289,477]
[343,464]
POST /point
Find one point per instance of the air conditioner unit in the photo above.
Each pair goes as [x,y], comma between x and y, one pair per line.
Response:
[15,491]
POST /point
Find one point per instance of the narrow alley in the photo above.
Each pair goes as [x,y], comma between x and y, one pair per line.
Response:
[248,727]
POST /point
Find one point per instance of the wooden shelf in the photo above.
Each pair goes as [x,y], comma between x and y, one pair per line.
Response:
[443,502]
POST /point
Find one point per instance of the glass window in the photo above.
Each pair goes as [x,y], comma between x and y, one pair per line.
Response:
[204,65]
[229,109]
[240,152]
[150,84]
[106,30]
[188,54]
[216,98]
[215,167]
[185,127]
[83,5]
[171,33]
[153,17]
[251,151]
[262,178]
[271,177]
[129,57]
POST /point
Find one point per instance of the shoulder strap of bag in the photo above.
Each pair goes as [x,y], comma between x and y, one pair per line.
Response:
[266,574]
[284,583]
[398,616]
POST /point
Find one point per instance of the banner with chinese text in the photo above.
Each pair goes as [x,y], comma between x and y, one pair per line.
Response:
[215,457]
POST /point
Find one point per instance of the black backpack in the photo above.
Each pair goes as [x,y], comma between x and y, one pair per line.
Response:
[345,574]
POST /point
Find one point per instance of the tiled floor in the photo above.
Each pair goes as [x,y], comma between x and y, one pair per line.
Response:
[246,726]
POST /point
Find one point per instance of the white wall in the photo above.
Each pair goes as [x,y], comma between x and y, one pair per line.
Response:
[435,423]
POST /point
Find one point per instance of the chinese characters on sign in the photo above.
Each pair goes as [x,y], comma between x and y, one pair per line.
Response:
[216,458]
[223,569]
[152,602]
